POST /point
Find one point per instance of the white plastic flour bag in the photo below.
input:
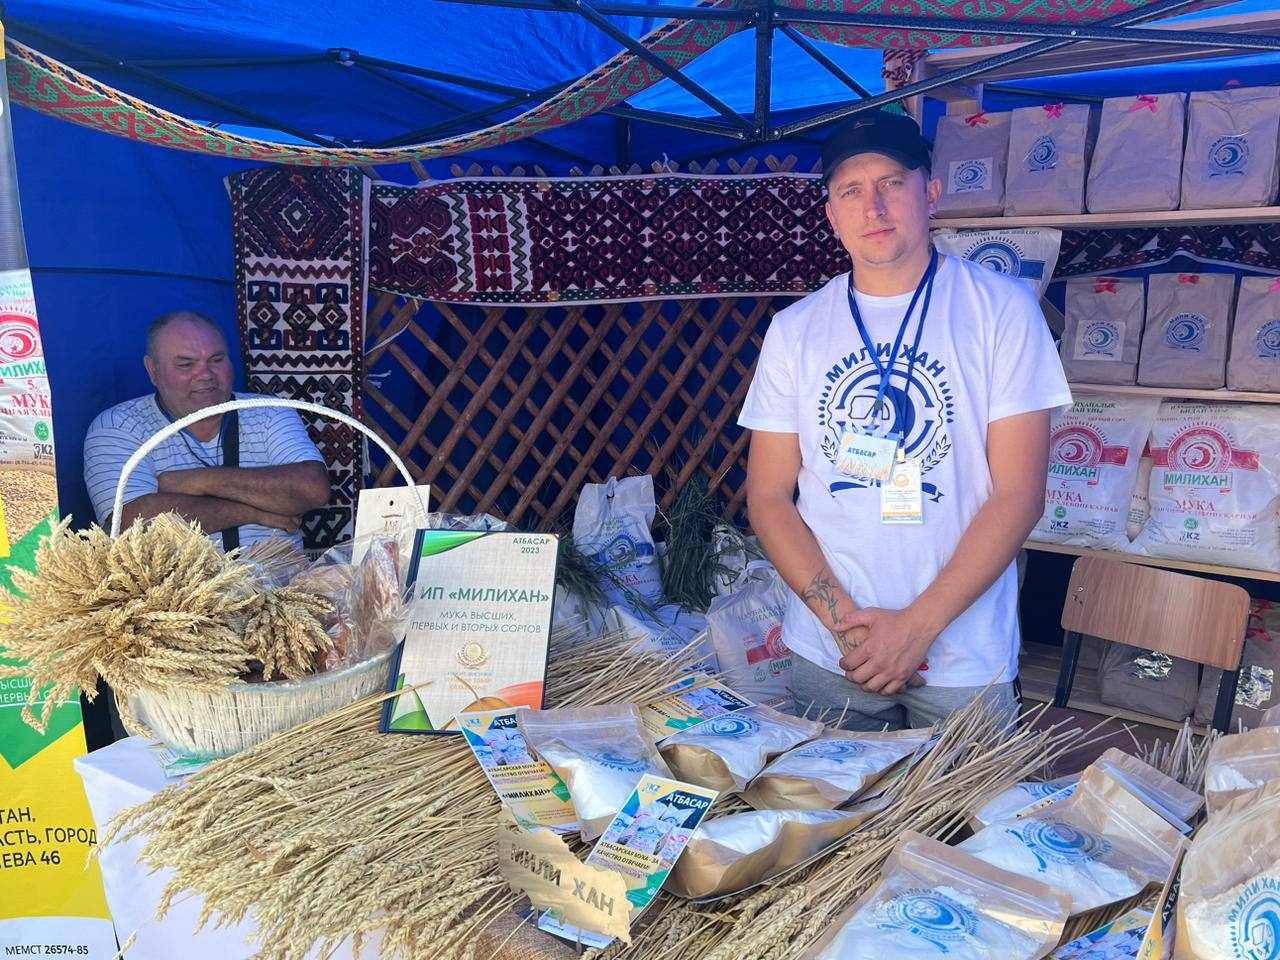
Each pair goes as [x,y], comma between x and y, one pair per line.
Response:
[1095,447]
[969,157]
[1049,148]
[1255,337]
[745,628]
[1232,140]
[612,526]
[1140,502]
[1103,330]
[1215,485]
[1137,162]
[1188,330]
[1030,254]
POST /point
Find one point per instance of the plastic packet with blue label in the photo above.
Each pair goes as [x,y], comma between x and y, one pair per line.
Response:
[725,753]
[936,900]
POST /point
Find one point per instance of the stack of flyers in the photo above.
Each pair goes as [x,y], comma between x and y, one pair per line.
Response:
[642,843]
[690,707]
[1118,940]
[536,795]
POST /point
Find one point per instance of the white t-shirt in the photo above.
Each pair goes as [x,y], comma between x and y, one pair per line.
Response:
[986,353]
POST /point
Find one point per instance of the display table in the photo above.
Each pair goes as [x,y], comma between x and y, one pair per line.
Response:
[122,775]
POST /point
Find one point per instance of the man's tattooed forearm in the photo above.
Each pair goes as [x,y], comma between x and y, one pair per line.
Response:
[821,594]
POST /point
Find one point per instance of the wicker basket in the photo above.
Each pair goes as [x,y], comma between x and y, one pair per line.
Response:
[212,724]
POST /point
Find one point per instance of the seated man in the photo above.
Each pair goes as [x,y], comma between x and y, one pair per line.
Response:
[241,476]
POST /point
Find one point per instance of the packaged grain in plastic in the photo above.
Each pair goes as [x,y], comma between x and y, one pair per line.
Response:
[1028,253]
[1229,898]
[1255,337]
[1094,448]
[831,770]
[970,154]
[1231,155]
[936,901]
[1010,802]
[1103,330]
[1188,330]
[725,753]
[1215,485]
[745,630]
[1240,763]
[1049,148]
[612,525]
[1137,161]
[1155,787]
[1103,844]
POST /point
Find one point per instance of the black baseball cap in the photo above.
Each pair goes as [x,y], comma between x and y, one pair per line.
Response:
[876,131]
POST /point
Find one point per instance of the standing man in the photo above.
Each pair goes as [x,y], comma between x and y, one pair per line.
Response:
[241,476]
[909,402]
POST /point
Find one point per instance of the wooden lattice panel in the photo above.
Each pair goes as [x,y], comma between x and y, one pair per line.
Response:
[510,410]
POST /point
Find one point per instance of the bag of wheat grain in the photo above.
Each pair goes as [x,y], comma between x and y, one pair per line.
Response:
[1232,141]
[1030,254]
[1103,329]
[1093,464]
[1215,485]
[970,154]
[1049,148]
[1188,330]
[1137,161]
[1255,337]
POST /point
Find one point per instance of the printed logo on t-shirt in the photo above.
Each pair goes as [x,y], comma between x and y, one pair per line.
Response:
[1186,331]
[1043,155]
[1267,343]
[918,411]
[1229,156]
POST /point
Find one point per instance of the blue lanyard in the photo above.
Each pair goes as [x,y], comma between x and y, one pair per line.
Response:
[925,286]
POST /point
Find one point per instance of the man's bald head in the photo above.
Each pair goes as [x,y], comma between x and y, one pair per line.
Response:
[185,316]
[188,362]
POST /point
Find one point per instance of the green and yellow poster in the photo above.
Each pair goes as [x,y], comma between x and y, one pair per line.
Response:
[49,903]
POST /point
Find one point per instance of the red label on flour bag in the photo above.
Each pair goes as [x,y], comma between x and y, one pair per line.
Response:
[26,409]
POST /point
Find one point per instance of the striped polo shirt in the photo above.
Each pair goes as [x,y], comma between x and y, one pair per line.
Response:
[269,437]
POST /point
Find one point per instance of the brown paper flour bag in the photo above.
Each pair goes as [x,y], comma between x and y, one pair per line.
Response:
[1148,681]
[1255,337]
[725,753]
[1256,691]
[1137,162]
[1049,149]
[1188,330]
[1103,330]
[1232,140]
[1240,763]
[969,157]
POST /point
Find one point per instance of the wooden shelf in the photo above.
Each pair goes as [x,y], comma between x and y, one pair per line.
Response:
[1182,565]
[1115,221]
[1038,671]
[1176,393]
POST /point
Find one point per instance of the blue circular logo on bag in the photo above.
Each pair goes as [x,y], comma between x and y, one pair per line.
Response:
[1043,154]
[1100,336]
[931,916]
[998,256]
[730,726]
[1186,331]
[971,175]
[1053,841]
[1267,342]
[837,751]
[620,761]
[1228,155]
[1254,921]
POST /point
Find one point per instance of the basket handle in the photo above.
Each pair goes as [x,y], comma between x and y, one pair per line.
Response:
[245,404]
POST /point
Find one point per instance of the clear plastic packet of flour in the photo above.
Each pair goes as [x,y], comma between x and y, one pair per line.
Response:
[1229,899]
[832,770]
[1162,792]
[599,752]
[1102,844]
[1008,803]
[935,900]
[1240,763]
[731,854]
[726,753]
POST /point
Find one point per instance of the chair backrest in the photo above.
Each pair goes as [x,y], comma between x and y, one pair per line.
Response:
[1183,616]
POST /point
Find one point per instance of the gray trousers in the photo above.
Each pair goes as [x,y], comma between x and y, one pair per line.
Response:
[821,691]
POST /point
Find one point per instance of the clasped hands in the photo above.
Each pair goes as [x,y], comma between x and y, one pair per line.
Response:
[884,650]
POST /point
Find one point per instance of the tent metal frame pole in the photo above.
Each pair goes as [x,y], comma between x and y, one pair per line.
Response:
[659,11]
[764,73]
[634,47]
[1053,31]
[974,69]
[283,60]
[809,47]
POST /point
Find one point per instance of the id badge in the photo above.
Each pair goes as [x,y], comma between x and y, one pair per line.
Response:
[901,499]
[866,456]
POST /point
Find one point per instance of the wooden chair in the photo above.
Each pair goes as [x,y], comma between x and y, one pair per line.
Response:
[1183,616]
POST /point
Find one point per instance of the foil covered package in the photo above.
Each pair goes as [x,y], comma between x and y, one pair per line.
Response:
[1101,845]
[832,770]
[934,900]
[599,752]
[726,753]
